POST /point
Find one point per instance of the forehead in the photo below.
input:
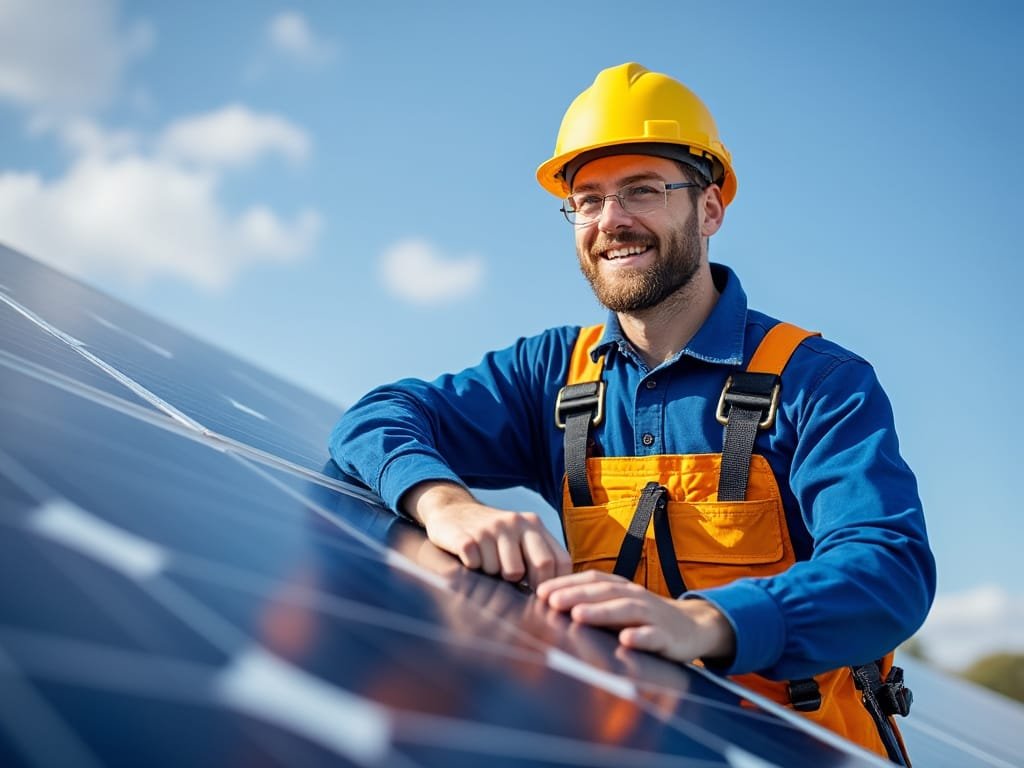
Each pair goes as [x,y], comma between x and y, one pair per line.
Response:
[615,170]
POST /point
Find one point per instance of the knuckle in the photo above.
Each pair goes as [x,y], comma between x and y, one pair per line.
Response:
[513,573]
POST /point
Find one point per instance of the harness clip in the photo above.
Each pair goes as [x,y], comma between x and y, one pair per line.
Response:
[894,697]
[753,390]
[576,398]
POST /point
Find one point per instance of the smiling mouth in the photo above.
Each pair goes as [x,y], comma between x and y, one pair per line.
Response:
[625,251]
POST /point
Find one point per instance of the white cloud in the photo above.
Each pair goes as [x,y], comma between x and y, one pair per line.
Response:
[120,212]
[965,626]
[233,136]
[415,271]
[289,33]
[65,57]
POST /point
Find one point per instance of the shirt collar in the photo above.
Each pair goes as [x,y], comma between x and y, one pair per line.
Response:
[719,339]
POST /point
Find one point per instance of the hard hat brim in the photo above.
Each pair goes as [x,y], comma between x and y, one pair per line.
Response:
[551,178]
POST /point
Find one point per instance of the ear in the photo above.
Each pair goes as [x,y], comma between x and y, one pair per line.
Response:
[714,210]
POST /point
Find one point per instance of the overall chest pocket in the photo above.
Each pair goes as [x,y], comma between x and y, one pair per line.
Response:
[719,542]
[715,542]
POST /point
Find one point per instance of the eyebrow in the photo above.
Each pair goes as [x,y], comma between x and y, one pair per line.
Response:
[622,182]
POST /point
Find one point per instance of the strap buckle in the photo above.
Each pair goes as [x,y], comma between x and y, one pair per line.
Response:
[752,390]
[894,697]
[804,695]
[577,398]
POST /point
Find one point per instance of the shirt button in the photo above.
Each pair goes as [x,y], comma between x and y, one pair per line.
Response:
[651,384]
[647,439]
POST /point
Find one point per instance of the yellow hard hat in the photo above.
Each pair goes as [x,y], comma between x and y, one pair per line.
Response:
[656,114]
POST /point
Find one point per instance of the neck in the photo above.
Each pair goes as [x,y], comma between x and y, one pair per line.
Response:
[660,332]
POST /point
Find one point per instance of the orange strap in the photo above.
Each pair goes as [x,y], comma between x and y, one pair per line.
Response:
[777,347]
[581,366]
[771,355]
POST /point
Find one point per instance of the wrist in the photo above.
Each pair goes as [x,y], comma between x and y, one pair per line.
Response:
[424,499]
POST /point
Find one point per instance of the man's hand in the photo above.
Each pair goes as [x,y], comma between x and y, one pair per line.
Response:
[510,544]
[682,630]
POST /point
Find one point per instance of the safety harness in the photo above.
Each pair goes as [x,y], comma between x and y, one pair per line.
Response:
[749,403]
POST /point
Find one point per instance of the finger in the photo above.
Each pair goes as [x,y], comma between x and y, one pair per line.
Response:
[569,595]
[490,562]
[466,549]
[563,562]
[616,612]
[657,640]
[559,583]
[644,638]
[539,557]
[511,557]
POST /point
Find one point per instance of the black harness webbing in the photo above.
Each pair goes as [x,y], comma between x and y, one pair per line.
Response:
[748,403]
[578,407]
[876,695]
[653,502]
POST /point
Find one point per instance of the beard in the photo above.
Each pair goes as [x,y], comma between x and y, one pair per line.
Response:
[679,259]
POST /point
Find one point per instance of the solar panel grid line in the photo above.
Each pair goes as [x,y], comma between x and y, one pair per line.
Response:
[66,660]
[942,735]
[81,349]
[43,350]
[32,724]
[236,687]
[130,408]
[258,684]
[155,348]
[43,374]
[488,739]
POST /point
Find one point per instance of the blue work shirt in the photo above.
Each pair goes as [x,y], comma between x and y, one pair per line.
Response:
[865,575]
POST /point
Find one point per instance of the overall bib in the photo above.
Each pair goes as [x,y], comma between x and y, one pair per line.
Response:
[659,520]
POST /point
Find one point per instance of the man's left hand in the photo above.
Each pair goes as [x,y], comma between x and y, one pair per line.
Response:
[682,630]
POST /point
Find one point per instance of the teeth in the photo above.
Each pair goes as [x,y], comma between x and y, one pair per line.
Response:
[632,250]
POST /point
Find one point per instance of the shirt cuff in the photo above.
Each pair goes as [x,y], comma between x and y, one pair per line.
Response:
[402,472]
[756,621]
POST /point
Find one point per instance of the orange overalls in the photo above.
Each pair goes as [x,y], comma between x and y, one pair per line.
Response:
[712,542]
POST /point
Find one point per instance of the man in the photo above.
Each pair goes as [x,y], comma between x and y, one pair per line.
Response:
[789,543]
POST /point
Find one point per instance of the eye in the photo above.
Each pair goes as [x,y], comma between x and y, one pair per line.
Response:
[640,192]
[585,202]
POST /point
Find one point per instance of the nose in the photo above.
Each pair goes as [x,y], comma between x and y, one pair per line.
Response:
[613,215]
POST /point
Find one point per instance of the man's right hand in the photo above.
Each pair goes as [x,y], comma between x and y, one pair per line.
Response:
[513,545]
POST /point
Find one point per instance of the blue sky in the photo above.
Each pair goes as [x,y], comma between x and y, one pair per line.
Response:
[344,193]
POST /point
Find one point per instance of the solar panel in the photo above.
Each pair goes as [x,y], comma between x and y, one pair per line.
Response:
[185,579]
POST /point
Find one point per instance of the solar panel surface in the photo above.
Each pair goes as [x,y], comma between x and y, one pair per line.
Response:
[185,580]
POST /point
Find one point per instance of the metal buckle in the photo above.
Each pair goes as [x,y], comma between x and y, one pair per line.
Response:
[765,423]
[575,404]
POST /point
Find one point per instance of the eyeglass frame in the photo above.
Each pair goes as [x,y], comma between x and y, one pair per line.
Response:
[617,194]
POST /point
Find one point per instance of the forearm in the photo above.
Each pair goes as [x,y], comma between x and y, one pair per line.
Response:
[425,500]
[848,605]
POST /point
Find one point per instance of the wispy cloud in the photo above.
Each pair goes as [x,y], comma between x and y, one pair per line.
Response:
[60,58]
[122,212]
[415,271]
[291,35]
[233,136]
[131,206]
[965,626]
